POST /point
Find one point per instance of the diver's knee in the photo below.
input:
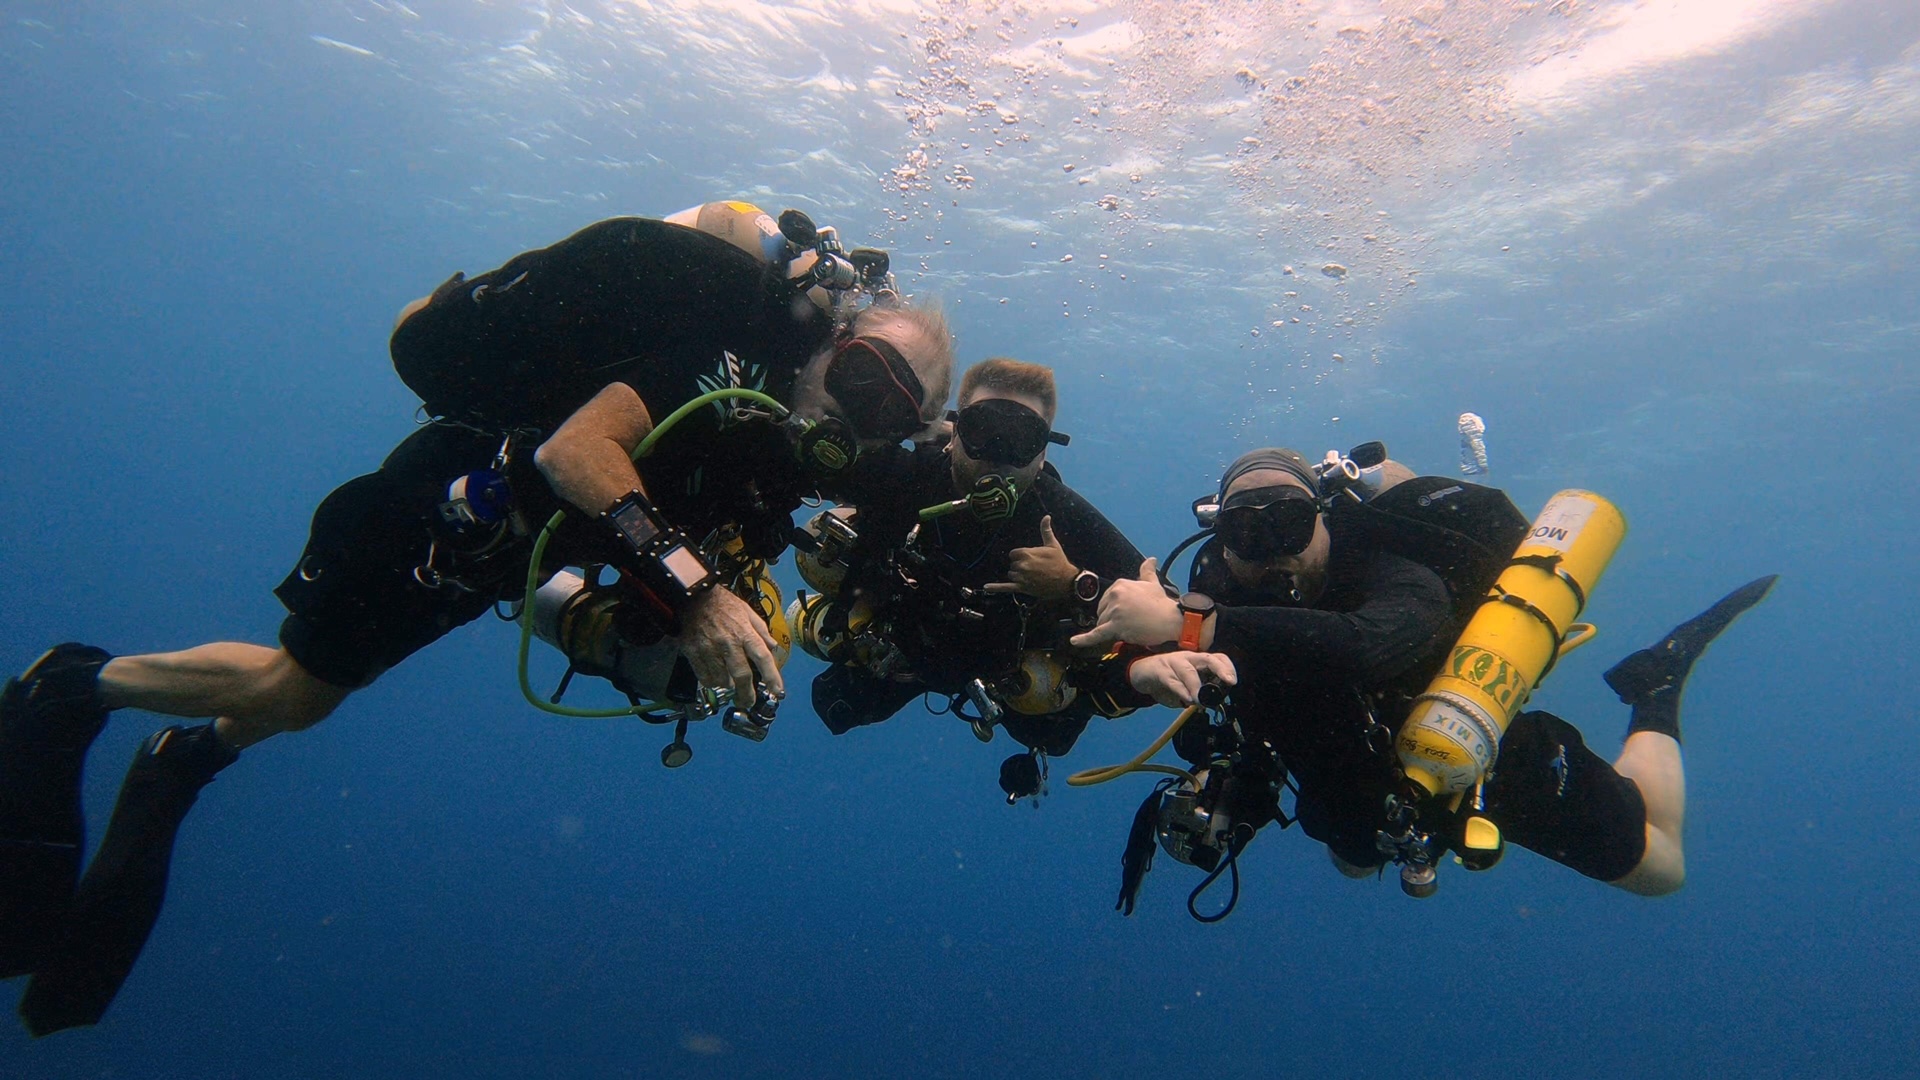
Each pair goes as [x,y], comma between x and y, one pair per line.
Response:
[294,698]
[412,306]
[1660,872]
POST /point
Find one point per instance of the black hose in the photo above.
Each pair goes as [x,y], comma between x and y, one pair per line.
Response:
[1166,565]
[1230,866]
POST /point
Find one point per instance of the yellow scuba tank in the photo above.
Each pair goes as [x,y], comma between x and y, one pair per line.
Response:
[809,617]
[824,568]
[1449,742]
[741,224]
[1039,687]
[755,232]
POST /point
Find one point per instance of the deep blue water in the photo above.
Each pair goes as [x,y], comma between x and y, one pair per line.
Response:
[1692,292]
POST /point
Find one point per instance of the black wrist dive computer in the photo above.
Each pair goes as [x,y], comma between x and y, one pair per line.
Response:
[655,556]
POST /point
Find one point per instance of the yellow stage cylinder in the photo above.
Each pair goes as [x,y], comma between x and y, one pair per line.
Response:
[1452,737]
[1040,688]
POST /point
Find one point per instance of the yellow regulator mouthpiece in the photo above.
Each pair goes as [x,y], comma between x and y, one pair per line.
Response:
[1451,739]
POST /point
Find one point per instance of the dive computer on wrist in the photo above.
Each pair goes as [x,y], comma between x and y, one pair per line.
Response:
[1194,609]
[655,556]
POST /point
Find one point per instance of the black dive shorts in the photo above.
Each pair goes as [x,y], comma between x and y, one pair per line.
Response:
[359,600]
[1552,795]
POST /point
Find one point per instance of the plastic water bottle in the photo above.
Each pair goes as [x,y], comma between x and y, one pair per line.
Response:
[1473,445]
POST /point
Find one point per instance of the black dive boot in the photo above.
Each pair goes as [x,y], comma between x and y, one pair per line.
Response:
[48,718]
[119,899]
[1651,679]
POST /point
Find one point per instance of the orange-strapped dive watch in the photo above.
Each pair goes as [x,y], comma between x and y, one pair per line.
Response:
[1194,609]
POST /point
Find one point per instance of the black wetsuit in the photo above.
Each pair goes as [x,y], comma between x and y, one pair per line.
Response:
[670,311]
[929,591]
[1328,686]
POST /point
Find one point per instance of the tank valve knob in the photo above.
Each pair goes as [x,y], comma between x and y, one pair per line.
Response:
[1419,881]
[677,752]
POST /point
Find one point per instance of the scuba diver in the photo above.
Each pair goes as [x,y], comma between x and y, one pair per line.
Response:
[1349,607]
[960,571]
[755,360]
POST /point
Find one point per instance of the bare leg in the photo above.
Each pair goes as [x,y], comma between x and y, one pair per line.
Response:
[1651,681]
[1652,761]
[253,691]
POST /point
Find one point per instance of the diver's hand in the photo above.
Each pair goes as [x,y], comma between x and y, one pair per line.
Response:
[727,644]
[1044,572]
[1136,611]
[1173,679]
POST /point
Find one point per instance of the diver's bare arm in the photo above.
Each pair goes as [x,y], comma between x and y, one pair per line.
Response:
[589,460]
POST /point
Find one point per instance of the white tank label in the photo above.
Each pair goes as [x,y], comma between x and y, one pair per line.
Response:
[1560,523]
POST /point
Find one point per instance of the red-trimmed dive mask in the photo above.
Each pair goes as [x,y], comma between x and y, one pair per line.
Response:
[1266,523]
[878,392]
[1002,432]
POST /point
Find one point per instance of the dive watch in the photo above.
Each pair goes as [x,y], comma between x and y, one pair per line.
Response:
[1194,609]
[657,557]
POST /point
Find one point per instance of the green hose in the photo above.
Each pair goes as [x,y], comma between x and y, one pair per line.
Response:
[546,534]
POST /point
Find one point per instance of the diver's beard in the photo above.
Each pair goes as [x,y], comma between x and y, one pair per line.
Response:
[1280,579]
[968,472]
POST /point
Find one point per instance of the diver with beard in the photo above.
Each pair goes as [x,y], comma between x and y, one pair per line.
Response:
[1336,614]
[972,563]
[543,379]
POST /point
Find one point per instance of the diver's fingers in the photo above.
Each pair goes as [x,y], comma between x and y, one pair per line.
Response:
[766,632]
[1188,678]
[1220,665]
[1046,532]
[1101,636]
[1148,571]
[1001,586]
[760,655]
[740,677]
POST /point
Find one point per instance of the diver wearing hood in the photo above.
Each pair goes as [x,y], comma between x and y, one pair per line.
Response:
[971,557]
[1333,633]
[542,379]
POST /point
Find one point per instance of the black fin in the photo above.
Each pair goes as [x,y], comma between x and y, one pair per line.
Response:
[1138,858]
[119,899]
[1020,777]
[49,717]
[1656,672]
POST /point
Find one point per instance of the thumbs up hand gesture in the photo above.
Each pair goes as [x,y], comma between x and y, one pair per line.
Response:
[1044,572]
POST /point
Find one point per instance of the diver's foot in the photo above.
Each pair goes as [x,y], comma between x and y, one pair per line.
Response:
[1657,672]
[55,703]
[49,717]
[118,902]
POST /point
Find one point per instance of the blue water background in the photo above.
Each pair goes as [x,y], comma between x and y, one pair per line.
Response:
[209,218]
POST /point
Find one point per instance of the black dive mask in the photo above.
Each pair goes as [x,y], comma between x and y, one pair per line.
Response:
[1267,523]
[1003,432]
[877,389]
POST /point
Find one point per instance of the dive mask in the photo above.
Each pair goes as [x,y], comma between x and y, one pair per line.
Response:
[1004,432]
[1267,522]
[877,389]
